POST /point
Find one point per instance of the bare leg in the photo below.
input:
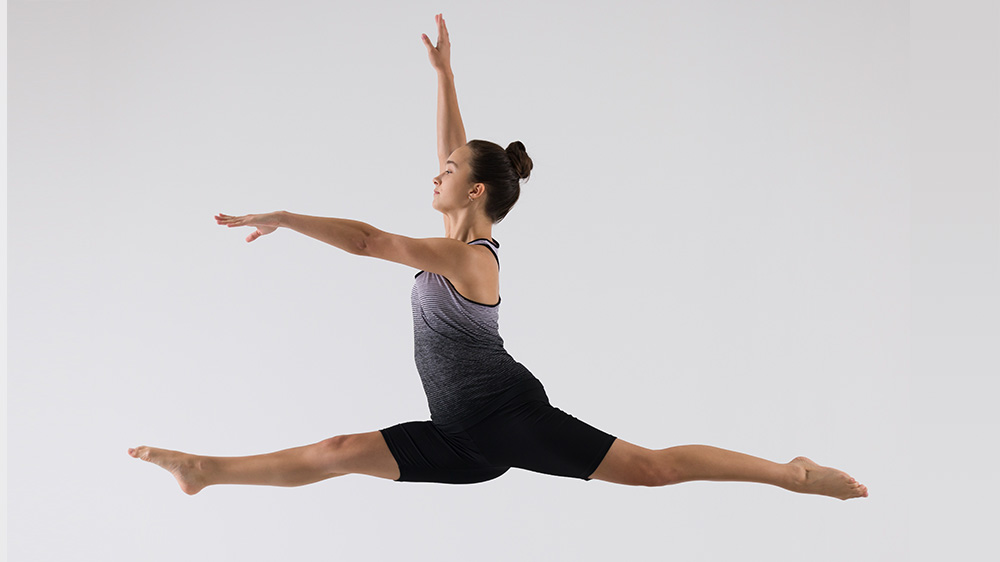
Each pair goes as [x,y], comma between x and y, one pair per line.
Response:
[363,453]
[630,464]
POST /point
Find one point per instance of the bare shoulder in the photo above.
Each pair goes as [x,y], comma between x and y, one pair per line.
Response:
[451,258]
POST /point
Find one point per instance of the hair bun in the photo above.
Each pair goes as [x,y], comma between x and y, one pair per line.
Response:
[519,159]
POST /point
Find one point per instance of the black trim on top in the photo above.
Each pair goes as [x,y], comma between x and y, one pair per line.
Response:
[493,242]
[467,298]
[490,248]
[452,285]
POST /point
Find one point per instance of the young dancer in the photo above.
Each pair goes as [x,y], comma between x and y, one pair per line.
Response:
[488,412]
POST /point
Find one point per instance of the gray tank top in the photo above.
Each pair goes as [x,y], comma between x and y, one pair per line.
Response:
[465,370]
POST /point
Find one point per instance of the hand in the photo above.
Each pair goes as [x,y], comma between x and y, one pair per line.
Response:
[266,223]
[441,55]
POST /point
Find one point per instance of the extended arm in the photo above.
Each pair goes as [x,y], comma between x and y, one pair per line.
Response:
[450,130]
[448,257]
[349,235]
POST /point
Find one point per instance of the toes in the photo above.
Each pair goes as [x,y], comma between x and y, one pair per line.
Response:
[140,453]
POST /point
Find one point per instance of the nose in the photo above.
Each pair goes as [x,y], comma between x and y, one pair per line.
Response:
[437,180]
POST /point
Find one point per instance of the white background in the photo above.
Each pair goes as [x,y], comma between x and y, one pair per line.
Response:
[767,226]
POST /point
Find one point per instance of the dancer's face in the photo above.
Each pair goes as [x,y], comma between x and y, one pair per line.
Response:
[453,186]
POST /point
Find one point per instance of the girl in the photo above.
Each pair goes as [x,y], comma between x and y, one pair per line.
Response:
[488,412]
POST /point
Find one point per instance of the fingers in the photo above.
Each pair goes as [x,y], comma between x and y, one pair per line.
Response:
[427,41]
[254,235]
[442,29]
[245,220]
[442,40]
[227,220]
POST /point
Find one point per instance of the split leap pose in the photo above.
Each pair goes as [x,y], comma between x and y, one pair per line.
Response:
[488,412]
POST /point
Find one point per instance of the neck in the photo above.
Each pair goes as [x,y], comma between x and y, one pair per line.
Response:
[466,225]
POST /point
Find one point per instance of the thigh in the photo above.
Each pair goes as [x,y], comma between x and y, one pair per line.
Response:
[630,464]
[536,436]
[426,453]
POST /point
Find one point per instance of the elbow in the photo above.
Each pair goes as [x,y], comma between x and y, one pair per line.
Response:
[367,243]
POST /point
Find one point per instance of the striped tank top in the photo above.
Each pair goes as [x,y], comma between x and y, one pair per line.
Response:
[464,368]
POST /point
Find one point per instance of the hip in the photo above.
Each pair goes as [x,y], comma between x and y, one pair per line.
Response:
[526,390]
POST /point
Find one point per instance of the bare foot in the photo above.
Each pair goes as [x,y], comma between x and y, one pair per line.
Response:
[185,468]
[827,481]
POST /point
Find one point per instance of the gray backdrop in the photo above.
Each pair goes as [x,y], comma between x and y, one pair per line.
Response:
[766,226]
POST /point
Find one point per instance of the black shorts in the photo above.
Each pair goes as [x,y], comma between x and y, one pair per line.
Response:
[524,432]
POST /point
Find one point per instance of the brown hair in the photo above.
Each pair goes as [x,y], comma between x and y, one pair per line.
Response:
[501,171]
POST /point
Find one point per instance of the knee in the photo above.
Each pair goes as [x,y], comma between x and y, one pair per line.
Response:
[334,450]
[335,443]
[660,470]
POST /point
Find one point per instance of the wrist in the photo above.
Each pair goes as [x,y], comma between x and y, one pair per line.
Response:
[282,217]
[446,74]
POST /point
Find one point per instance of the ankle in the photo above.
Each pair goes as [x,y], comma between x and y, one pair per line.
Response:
[796,478]
[204,469]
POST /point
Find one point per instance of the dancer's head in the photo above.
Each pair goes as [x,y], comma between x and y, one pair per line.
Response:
[483,175]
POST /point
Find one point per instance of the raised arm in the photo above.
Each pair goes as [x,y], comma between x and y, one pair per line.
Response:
[450,131]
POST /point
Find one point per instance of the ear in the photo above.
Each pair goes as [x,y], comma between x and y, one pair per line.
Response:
[478,190]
